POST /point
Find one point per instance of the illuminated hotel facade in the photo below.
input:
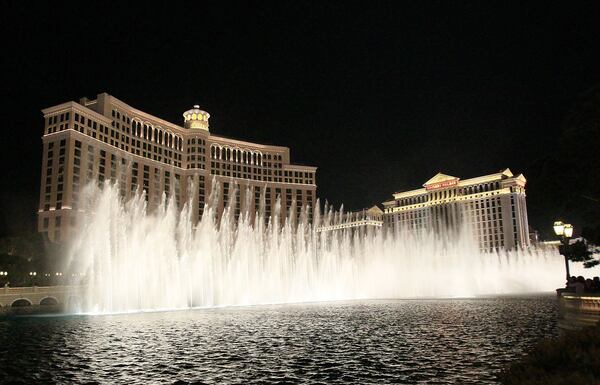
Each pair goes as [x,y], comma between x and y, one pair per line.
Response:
[101,139]
[493,206]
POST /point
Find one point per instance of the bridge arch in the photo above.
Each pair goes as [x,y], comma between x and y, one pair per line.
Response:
[49,301]
[21,302]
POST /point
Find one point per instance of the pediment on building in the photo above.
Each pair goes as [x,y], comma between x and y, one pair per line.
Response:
[521,180]
[440,180]
[375,210]
[507,172]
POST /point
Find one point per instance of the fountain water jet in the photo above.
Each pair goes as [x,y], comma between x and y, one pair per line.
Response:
[135,259]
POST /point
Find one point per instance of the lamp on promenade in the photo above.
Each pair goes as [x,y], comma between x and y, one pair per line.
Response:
[565,232]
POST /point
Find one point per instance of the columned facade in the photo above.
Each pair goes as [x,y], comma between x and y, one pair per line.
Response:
[493,206]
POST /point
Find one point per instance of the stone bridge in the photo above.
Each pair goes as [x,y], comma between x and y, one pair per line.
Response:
[44,296]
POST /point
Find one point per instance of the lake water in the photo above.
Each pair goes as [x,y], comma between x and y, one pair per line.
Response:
[384,341]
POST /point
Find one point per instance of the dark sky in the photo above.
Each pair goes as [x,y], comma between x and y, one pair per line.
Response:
[379,95]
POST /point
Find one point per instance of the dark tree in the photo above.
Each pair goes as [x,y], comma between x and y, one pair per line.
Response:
[572,358]
[580,251]
[566,184]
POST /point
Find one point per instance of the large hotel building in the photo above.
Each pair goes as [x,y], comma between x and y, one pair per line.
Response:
[493,206]
[101,139]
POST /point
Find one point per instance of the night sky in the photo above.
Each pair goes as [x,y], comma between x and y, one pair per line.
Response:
[380,96]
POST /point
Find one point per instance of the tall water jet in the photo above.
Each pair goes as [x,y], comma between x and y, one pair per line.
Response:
[133,259]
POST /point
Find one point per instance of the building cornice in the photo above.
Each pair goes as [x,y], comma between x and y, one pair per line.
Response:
[69,106]
[505,174]
[147,116]
[216,139]
[484,179]
[409,193]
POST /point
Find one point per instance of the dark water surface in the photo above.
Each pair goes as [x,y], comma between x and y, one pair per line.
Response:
[387,341]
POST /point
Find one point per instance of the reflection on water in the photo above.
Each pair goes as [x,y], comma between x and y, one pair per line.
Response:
[387,341]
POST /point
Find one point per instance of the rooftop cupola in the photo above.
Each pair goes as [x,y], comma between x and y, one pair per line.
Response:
[196,118]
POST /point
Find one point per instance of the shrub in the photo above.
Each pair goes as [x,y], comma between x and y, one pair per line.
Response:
[572,358]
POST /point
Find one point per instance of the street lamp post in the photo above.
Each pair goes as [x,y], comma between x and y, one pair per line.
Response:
[565,232]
